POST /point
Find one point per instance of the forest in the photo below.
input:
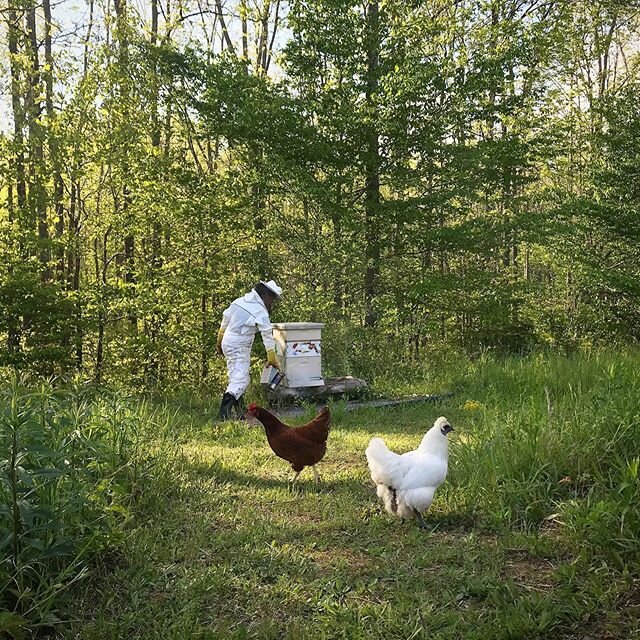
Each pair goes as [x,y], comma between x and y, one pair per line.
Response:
[433,172]
[451,186]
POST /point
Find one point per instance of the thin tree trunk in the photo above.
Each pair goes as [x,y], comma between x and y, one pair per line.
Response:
[101,318]
[156,229]
[13,23]
[13,321]
[76,266]
[261,49]
[58,184]
[205,324]
[245,31]
[37,193]
[259,224]
[338,286]
[223,26]
[72,223]
[129,240]
[276,22]
[155,121]
[101,276]
[85,57]
[372,164]
[17,210]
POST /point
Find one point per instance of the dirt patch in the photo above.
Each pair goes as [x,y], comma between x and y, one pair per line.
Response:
[304,518]
[528,571]
[328,560]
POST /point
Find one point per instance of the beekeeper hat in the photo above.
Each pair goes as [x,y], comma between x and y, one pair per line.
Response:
[273,287]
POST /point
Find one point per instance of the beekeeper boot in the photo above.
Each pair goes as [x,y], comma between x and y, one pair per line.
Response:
[228,401]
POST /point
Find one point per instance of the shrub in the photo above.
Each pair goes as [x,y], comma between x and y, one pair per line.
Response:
[73,467]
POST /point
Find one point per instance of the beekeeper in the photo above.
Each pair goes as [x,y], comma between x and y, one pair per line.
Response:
[240,323]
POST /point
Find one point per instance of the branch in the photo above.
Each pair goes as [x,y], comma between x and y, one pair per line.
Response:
[225,32]
[182,18]
[273,37]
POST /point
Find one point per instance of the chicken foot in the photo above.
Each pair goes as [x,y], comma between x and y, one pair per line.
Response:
[421,523]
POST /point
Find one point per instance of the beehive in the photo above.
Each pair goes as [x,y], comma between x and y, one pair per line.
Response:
[299,352]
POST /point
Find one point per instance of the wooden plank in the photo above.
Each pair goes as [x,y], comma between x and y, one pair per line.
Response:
[345,385]
[353,405]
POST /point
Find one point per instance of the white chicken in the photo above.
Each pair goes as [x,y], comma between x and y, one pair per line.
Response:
[407,483]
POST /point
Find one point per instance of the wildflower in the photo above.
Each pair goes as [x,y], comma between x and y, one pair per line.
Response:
[472,405]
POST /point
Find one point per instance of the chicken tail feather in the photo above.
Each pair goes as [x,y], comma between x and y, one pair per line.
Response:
[318,429]
[383,463]
[388,496]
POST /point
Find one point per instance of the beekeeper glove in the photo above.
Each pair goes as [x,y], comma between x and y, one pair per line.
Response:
[271,359]
[219,342]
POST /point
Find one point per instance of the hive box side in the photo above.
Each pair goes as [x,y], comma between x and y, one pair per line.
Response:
[298,350]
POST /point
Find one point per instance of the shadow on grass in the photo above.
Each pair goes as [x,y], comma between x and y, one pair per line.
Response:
[229,475]
[362,494]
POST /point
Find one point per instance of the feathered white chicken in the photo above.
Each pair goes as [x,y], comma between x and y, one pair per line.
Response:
[406,483]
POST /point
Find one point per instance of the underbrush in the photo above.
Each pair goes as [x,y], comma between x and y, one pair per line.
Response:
[78,467]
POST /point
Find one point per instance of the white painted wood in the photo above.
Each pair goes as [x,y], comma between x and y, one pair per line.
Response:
[299,353]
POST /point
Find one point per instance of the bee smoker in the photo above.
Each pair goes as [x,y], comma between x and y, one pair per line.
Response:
[275,379]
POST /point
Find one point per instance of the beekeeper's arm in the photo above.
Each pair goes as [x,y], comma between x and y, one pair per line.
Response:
[264,325]
[226,318]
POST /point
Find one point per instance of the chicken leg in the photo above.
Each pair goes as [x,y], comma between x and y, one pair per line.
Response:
[316,475]
[421,523]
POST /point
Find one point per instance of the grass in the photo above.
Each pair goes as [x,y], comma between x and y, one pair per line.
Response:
[535,534]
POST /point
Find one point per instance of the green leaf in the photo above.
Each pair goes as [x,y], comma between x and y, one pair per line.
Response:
[13,624]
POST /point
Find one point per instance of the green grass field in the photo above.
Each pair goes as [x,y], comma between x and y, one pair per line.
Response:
[535,534]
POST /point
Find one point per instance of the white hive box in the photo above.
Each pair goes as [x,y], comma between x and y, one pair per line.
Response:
[299,353]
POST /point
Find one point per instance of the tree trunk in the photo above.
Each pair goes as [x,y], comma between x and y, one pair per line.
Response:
[259,224]
[167,119]
[101,266]
[372,168]
[17,209]
[123,62]
[37,193]
[155,121]
[205,324]
[75,265]
[13,30]
[58,184]
[338,286]
[85,56]
[261,48]
[156,229]
[245,32]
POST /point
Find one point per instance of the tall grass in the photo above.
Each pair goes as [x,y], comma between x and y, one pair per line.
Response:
[534,535]
[75,468]
[552,441]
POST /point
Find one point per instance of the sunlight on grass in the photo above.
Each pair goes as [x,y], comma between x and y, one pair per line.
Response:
[534,534]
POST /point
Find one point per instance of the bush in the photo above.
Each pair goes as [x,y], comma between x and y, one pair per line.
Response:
[73,470]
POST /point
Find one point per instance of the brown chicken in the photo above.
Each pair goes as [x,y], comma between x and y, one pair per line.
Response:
[301,446]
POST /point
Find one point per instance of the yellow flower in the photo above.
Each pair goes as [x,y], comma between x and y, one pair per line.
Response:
[472,405]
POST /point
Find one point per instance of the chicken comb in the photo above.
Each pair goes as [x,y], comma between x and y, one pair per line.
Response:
[253,407]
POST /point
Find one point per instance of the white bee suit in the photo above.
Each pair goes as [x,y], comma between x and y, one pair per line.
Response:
[241,321]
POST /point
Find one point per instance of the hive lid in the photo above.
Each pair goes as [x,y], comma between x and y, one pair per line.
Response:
[297,326]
